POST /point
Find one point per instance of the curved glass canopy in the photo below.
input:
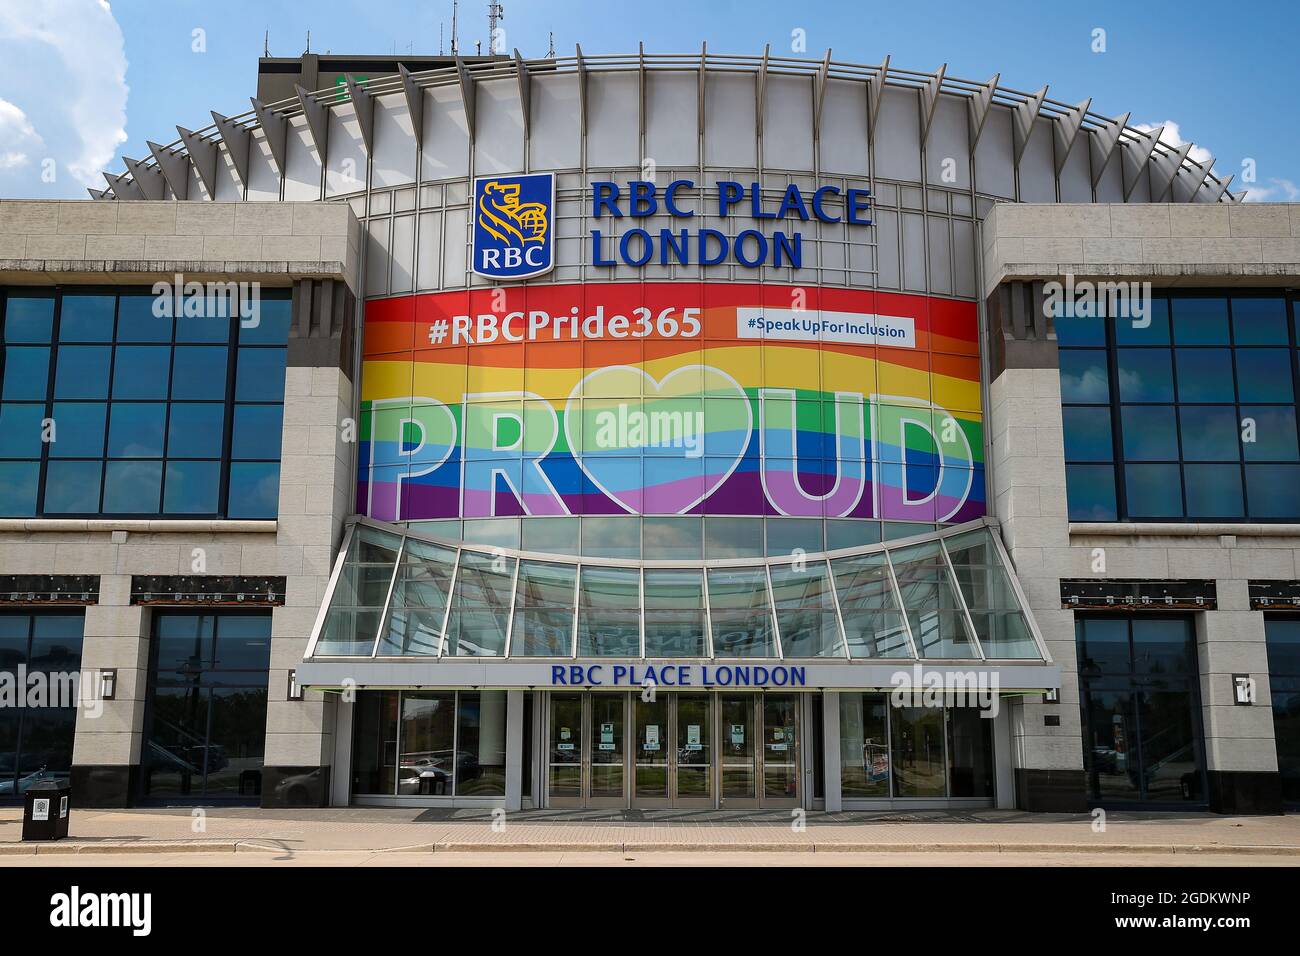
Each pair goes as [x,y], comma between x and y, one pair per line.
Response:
[941,596]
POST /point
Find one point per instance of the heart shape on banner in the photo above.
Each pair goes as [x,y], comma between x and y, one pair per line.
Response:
[627,430]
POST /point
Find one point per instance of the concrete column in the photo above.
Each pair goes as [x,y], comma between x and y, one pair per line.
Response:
[315,487]
[831,750]
[107,745]
[515,744]
[1240,750]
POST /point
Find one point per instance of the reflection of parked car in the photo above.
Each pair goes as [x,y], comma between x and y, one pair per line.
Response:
[430,772]
[7,785]
[296,789]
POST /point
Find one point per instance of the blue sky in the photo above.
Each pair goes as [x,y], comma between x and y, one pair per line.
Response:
[88,81]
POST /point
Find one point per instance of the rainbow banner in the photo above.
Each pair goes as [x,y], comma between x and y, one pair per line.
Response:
[671,398]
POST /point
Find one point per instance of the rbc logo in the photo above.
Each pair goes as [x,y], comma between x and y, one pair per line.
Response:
[512,226]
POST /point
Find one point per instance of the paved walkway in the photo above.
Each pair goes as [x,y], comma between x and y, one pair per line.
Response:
[1272,839]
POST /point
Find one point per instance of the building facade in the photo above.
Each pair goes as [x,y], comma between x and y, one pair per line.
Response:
[653,431]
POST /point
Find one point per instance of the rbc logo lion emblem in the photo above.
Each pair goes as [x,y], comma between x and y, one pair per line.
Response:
[512,226]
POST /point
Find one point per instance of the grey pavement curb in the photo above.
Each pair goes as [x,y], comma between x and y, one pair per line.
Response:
[253,846]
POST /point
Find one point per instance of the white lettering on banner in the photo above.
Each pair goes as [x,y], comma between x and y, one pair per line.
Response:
[850,328]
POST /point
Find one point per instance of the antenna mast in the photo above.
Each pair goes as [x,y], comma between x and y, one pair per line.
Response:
[454,5]
[496,13]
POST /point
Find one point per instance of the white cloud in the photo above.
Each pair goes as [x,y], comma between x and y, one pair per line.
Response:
[18,138]
[67,58]
[1172,136]
[1281,190]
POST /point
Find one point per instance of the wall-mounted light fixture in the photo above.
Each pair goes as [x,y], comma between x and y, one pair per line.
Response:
[1243,689]
[108,684]
[294,691]
[1052,696]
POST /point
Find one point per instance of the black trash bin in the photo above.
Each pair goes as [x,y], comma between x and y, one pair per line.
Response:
[45,810]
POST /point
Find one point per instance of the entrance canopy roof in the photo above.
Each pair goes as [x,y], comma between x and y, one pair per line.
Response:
[399,602]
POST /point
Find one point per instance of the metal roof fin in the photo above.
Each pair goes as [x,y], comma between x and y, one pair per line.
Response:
[238,141]
[930,102]
[363,101]
[819,101]
[414,103]
[1101,145]
[1164,167]
[204,154]
[1134,154]
[1022,122]
[978,107]
[467,93]
[875,91]
[175,169]
[525,92]
[148,178]
[1066,130]
[317,115]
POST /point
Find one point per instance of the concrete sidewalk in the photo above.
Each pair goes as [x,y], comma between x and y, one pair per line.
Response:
[182,830]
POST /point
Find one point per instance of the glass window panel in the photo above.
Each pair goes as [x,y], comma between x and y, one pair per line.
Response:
[481,744]
[1213,491]
[27,373]
[786,536]
[1150,433]
[481,609]
[199,372]
[1273,491]
[851,533]
[81,371]
[1103,644]
[1209,434]
[1204,375]
[1091,492]
[1074,330]
[374,743]
[419,601]
[254,490]
[543,625]
[195,430]
[986,588]
[733,538]
[551,535]
[864,745]
[358,598]
[136,321]
[78,430]
[932,607]
[1087,434]
[1133,331]
[805,610]
[1154,491]
[72,487]
[1200,320]
[1145,375]
[1268,433]
[1264,375]
[1164,646]
[917,750]
[136,430]
[271,324]
[741,613]
[427,760]
[493,532]
[672,538]
[192,488]
[18,486]
[1083,376]
[1282,635]
[141,371]
[611,537]
[873,622]
[608,615]
[259,375]
[212,325]
[1259,321]
[20,430]
[674,613]
[257,431]
[970,753]
[132,487]
[86,318]
[28,318]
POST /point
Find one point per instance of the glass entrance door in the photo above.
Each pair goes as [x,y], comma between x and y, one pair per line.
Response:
[739,758]
[759,750]
[587,754]
[652,751]
[693,774]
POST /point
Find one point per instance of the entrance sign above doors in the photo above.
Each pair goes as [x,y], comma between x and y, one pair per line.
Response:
[678,675]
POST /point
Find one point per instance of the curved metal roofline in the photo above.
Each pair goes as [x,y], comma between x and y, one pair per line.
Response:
[1181,178]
